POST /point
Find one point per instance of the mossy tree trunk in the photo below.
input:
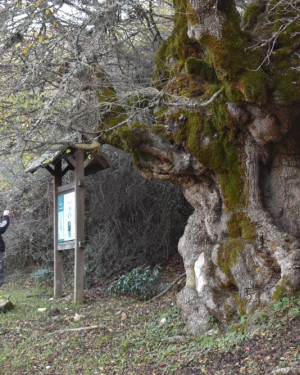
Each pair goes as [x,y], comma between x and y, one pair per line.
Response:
[236,157]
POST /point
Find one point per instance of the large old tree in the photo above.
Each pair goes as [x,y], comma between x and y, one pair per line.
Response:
[221,120]
[227,130]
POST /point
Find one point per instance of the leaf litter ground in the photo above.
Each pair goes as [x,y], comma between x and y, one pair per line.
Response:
[130,337]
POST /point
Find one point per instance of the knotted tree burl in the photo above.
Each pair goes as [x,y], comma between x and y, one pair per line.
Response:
[227,131]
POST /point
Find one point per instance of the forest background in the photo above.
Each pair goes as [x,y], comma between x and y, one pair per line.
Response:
[54,56]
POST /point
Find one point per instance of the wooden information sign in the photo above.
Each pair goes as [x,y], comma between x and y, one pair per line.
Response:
[69,210]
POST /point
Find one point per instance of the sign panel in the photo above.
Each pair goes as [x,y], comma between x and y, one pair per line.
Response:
[66,217]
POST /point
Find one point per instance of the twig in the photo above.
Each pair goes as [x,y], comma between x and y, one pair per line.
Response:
[193,104]
[168,288]
[74,329]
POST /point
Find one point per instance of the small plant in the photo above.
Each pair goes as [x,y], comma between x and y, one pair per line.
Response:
[283,364]
[42,275]
[261,318]
[141,283]
[213,323]
[294,312]
[283,304]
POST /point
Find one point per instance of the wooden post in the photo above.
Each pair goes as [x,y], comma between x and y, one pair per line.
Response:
[75,161]
[58,256]
[79,236]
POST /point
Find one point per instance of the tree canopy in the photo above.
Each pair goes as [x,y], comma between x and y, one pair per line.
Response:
[62,63]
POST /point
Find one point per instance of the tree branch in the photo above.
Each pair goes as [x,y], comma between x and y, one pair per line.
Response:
[168,288]
[183,102]
[73,330]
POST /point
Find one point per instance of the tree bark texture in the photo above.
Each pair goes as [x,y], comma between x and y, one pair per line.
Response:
[237,160]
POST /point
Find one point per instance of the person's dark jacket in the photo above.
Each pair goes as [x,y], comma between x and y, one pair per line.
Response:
[4,223]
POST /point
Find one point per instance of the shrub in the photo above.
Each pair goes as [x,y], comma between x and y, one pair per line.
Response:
[131,218]
[42,275]
[141,283]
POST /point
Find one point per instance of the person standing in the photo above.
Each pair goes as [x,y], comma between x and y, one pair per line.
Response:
[4,223]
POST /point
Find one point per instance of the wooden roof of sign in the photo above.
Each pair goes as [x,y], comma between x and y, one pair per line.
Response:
[95,160]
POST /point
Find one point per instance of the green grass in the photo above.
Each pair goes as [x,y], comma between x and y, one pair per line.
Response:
[137,345]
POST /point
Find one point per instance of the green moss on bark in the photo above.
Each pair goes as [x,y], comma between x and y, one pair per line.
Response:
[235,62]
[242,304]
[251,14]
[127,137]
[200,68]
[242,231]
[228,254]
[286,79]
[233,94]
[240,226]
[140,159]
[229,53]
[254,86]
[219,153]
[172,53]
[107,94]
[283,289]
[284,67]
[210,138]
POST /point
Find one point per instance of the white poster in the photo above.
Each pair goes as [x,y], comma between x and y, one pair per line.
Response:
[66,217]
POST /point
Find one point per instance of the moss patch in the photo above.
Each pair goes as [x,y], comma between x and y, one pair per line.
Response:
[286,76]
[172,53]
[235,61]
[107,94]
[219,154]
[127,137]
[180,46]
[229,54]
[5,304]
[253,85]
[286,80]
[240,226]
[210,137]
[285,55]
[241,231]
[232,93]
[251,14]
[282,290]
[200,68]
[242,304]
[227,256]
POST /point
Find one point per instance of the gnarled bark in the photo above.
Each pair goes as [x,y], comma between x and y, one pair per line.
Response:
[237,161]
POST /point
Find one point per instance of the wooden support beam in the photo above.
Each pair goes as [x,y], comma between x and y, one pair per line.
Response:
[49,169]
[67,169]
[88,161]
[58,255]
[101,160]
[79,241]
[69,159]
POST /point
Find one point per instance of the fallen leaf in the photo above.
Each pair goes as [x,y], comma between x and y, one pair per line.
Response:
[123,316]
[78,317]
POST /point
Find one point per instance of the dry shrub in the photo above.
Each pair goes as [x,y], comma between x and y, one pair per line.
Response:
[130,221]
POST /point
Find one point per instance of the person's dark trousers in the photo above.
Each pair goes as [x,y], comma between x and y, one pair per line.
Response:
[1,268]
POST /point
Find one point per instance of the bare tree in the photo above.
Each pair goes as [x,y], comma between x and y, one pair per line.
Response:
[62,63]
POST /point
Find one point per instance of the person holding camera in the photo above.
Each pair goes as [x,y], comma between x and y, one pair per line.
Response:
[4,223]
